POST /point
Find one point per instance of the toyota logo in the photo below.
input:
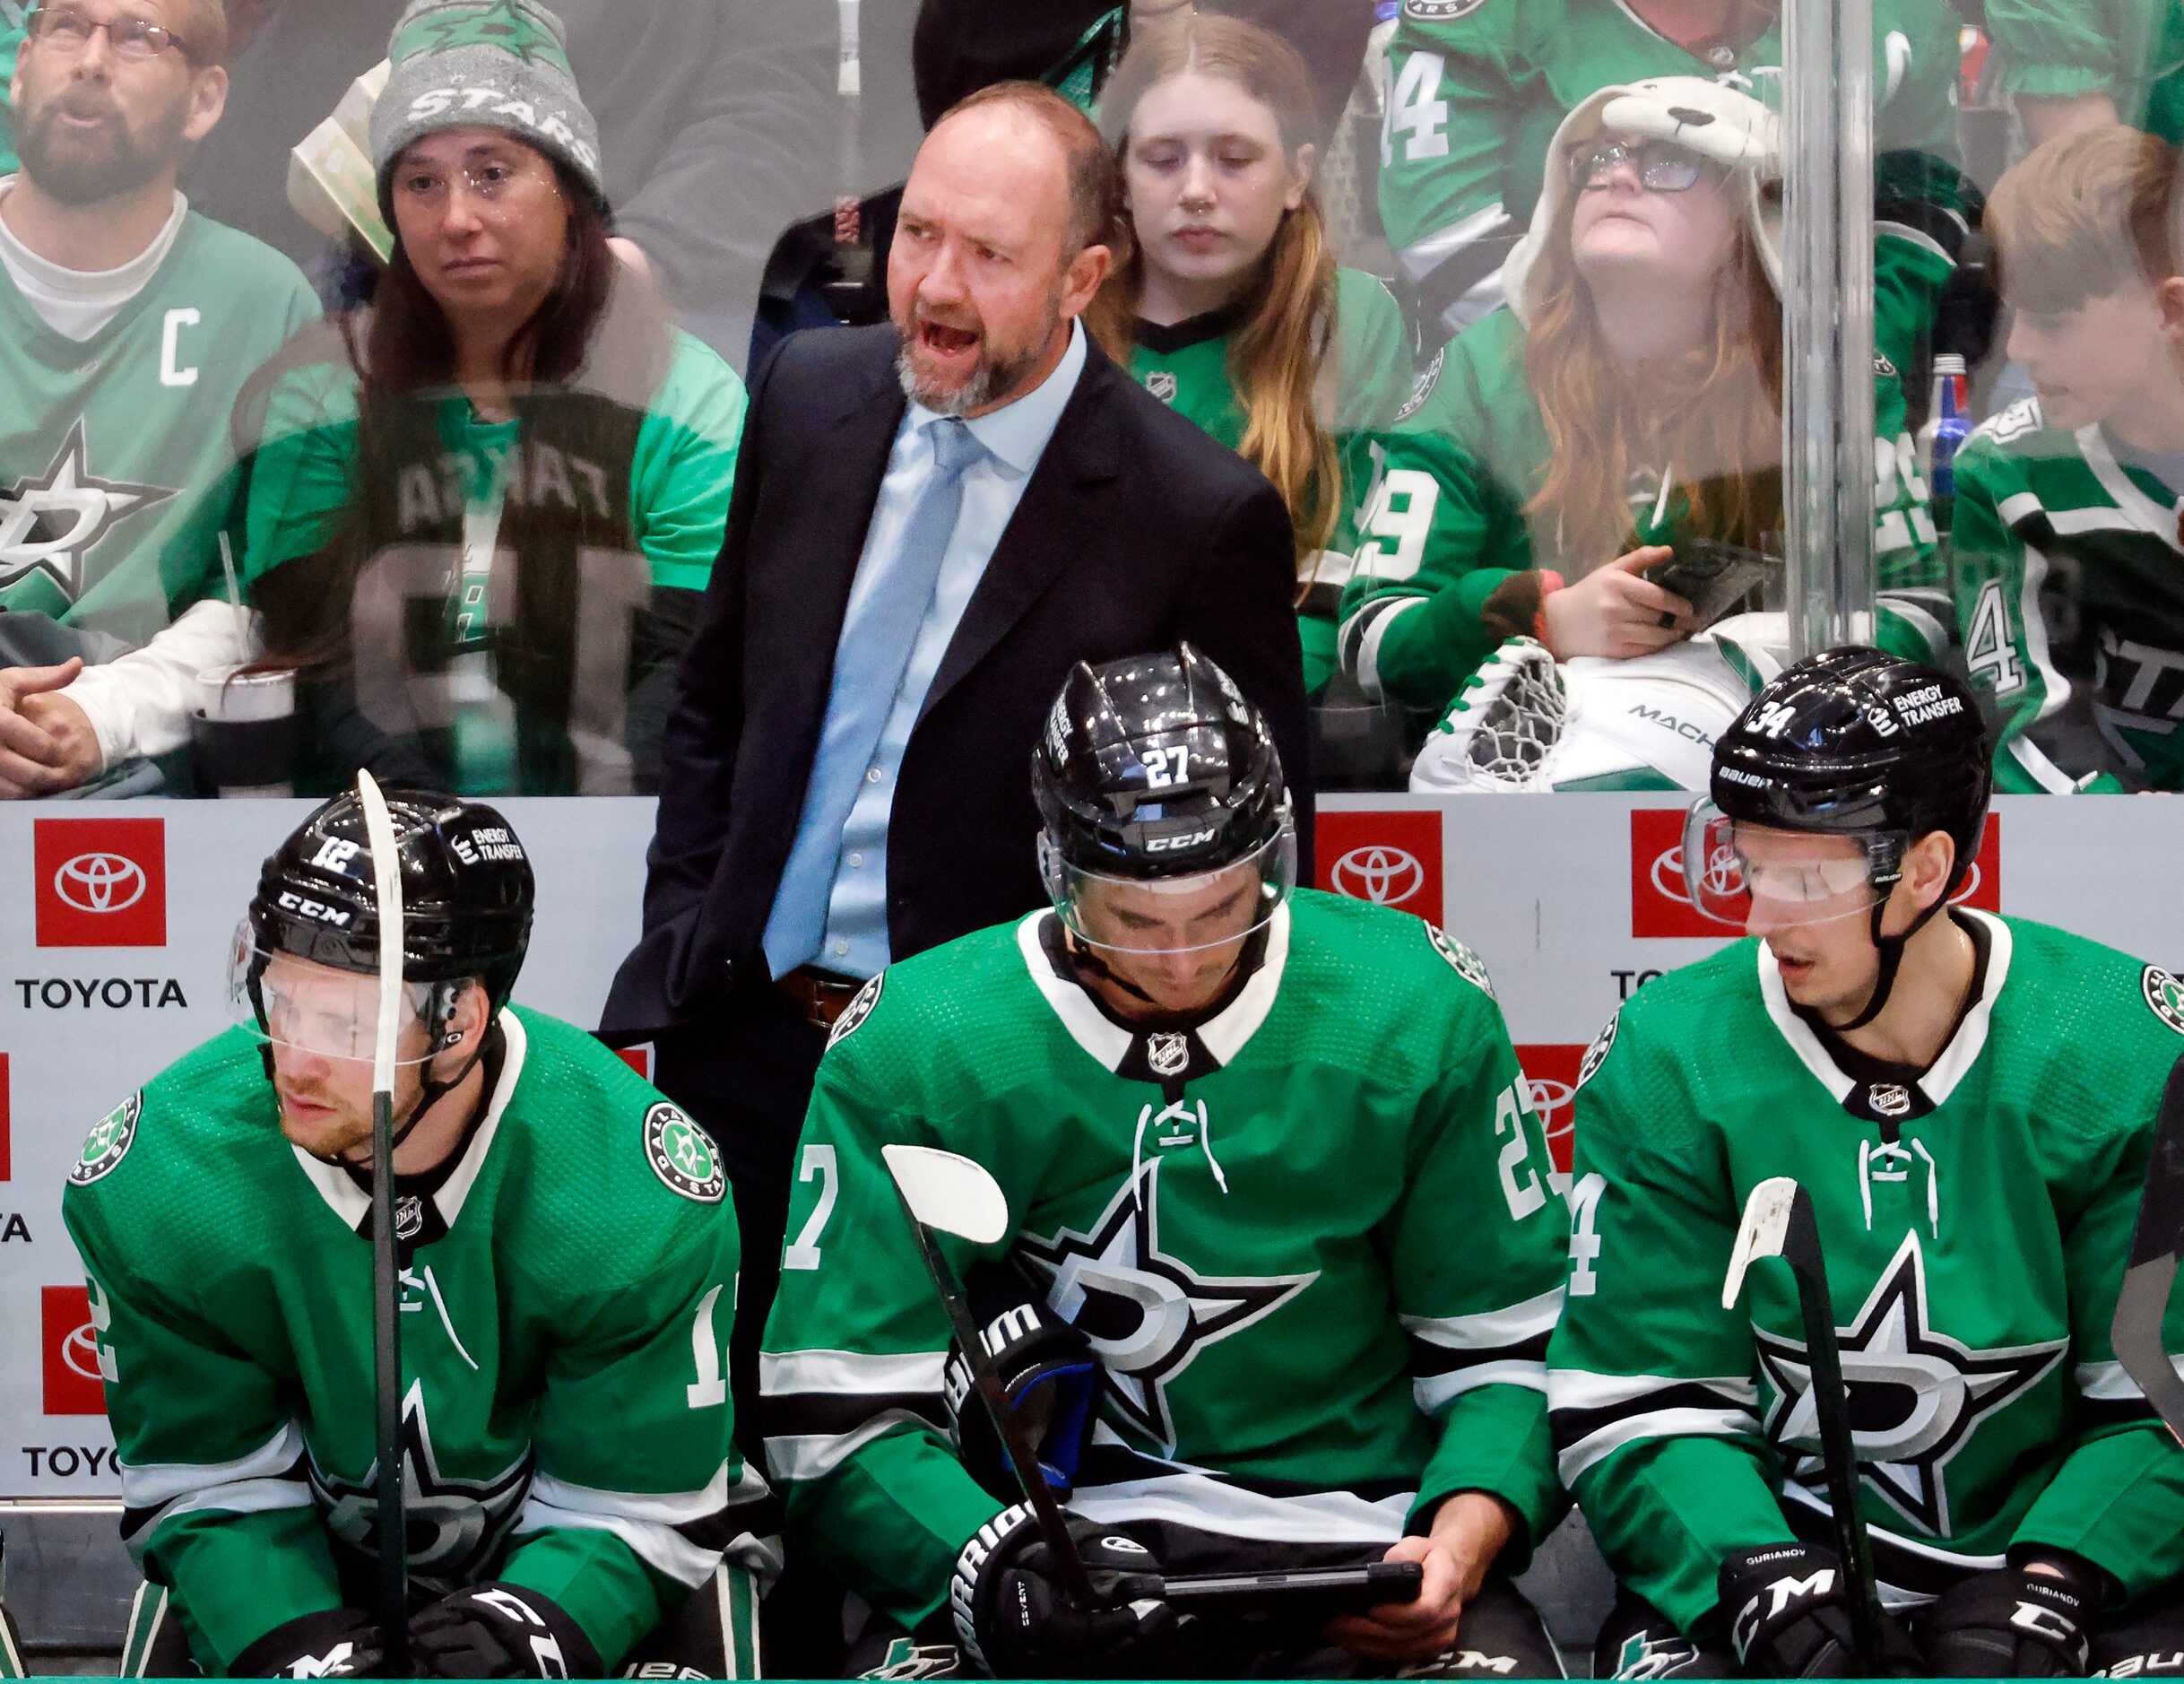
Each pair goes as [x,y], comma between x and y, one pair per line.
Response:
[1724,877]
[1970,885]
[79,1351]
[1387,877]
[99,882]
[1552,1101]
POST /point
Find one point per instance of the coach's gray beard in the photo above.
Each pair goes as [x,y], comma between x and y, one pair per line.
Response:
[1000,374]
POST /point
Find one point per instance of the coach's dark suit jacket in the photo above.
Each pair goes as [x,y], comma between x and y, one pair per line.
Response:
[1135,530]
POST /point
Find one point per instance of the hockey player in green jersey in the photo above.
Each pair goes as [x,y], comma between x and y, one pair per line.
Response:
[128,324]
[1230,306]
[1474,90]
[1967,1101]
[1272,1174]
[567,1264]
[1625,401]
[2068,65]
[2068,572]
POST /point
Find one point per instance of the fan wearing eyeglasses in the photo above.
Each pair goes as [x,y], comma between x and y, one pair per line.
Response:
[128,324]
[1625,403]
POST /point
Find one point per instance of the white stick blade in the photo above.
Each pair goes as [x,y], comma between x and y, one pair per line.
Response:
[1766,1219]
[949,1193]
[387,884]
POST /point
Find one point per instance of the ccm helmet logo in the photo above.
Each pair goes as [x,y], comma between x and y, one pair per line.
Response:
[1176,844]
[1381,875]
[99,882]
[304,907]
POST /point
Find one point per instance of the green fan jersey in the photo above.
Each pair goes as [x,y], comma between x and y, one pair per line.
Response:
[117,480]
[2039,509]
[568,1286]
[1475,89]
[1311,1240]
[1975,1221]
[11,15]
[2131,50]
[1442,527]
[1186,367]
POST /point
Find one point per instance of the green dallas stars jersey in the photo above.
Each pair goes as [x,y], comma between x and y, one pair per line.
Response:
[1443,523]
[1186,367]
[2131,50]
[1475,89]
[2039,507]
[116,469]
[1975,1224]
[1312,1239]
[569,1288]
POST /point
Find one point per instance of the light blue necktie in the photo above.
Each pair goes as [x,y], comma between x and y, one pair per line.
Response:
[869,664]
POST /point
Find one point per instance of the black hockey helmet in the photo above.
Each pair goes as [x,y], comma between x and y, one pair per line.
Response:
[466,892]
[1857,743]
[1155,767]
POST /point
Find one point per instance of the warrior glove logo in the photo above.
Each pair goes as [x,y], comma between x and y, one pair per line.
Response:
[682,1155]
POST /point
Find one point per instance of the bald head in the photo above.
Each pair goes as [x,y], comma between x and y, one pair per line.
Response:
[994,251]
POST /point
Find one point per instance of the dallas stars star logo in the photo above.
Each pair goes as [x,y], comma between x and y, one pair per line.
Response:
[51,525]
[454,1526]
[504,24]
[1916,1396]
[1147,1313]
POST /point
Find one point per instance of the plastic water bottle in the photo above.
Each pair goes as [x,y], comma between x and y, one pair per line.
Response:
[1948,423]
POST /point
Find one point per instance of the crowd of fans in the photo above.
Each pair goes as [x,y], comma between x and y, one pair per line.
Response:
[333,436]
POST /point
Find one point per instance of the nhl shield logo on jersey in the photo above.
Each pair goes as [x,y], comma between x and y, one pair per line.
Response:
[1167,1055]
[855,1013]
[109,1141]
[1161,384]
[682,1155]
[1466,964]
[2165,996]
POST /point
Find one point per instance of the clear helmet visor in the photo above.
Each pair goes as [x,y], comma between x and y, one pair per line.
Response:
[316,1009]
[1737,873]
[1192,913]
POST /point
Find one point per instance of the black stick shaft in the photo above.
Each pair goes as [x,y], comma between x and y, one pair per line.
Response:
[387,1361]
[1045,1507]
[1839,1449]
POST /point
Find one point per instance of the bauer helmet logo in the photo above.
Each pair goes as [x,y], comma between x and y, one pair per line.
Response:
[2165,996]
[1385,876]
[101,883]
[682,1155]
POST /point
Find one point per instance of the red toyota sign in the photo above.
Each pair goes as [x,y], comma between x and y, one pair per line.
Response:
[1552,1074]
[101,882]
[71,1344]
[1392,859]
[1661,903]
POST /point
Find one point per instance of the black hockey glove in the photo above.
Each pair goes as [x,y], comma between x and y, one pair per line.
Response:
[334,1643]
[1788,1610]
[499,1631]
[2009,1624]
[1015,1621]
[1046,1368]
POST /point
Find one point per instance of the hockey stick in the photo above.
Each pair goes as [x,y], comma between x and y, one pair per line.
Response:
[2156,1244]
[1778,1222]
[385,1272]
[945,1193]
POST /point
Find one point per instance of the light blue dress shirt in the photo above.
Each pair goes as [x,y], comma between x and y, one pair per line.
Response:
[854,939]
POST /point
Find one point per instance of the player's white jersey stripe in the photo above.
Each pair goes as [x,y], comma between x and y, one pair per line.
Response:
[152,1484]
[815,1455]
[1367,627]
[1579,1389]
[1211,1505]
[661,1547]
[861,1373]
[1436,1390]
[669,1508]
[1421,257]
[243,1496]
[2109,1383]
[1659,1424]
[1489,1329]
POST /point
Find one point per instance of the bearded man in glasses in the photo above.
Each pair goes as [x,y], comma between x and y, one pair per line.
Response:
[128,325]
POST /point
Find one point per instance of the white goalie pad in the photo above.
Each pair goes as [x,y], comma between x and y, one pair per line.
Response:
[1529,721]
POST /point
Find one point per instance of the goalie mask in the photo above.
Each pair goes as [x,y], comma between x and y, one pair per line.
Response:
[467,892]
[1853,743]
[1156,775]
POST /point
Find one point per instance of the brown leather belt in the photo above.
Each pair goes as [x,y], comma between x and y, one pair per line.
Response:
[822,995]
